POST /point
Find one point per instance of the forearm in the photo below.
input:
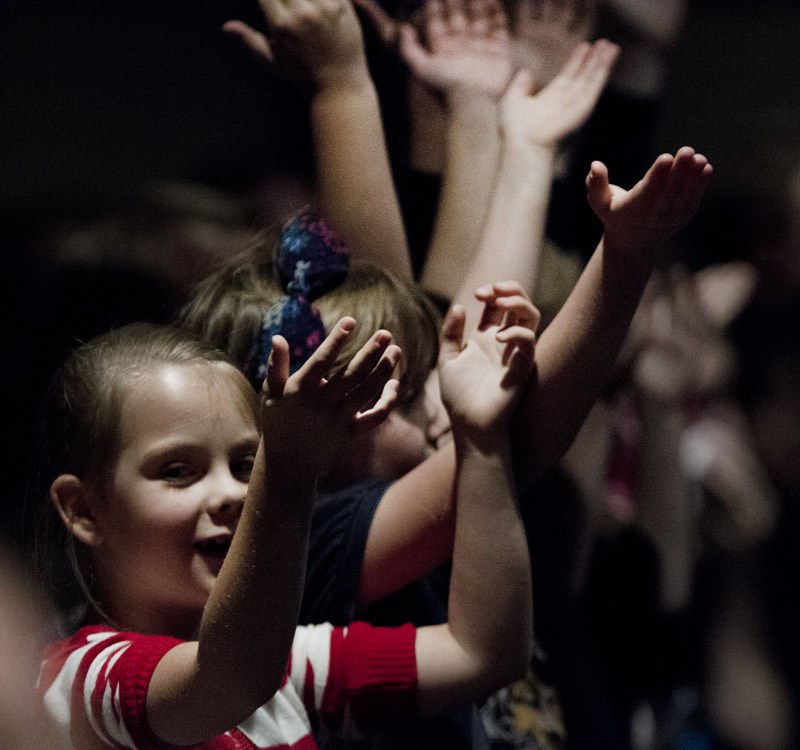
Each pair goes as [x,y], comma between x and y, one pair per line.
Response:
[490,609]
[203,688]
[411,533]
[473,147]
[256,600]
[575,356]
[489,631]
[354,186]
[427,125]
[511,244]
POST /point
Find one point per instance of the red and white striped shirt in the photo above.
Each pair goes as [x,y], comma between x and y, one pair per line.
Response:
[94,686]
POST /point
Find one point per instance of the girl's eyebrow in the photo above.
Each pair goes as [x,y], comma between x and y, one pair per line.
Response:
[249,443]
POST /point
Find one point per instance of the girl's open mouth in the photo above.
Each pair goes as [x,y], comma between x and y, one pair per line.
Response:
[215,548]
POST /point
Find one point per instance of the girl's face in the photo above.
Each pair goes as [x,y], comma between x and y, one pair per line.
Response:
[188,439]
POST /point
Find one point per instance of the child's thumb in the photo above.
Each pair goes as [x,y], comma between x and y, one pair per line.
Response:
[598,189]
[248,38]
[521,84]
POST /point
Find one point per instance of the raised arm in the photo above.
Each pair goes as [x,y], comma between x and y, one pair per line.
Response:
[464,56]
[203,688]
[577,350]
[533,126]
[319,45]
[412,529]
[487,640]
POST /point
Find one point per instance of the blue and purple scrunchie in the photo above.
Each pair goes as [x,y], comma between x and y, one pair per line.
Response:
[311,261]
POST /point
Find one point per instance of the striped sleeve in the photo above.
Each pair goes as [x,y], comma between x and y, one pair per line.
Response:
[95,685]
[356,678]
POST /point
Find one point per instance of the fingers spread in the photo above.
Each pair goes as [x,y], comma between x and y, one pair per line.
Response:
[320,362]
[577,60]
[372,417]
[517,337]
[369,375]
[277,368]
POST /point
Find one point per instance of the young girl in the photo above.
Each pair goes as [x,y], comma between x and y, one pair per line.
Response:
[188,499]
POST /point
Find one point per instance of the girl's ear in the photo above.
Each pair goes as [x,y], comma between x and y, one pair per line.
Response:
[70,497]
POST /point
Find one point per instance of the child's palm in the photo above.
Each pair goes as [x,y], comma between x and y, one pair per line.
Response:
[309,43]
[545,37]
[654,209]
[565,103]
[470,51]
[481,380]
[472,384]
[306,416]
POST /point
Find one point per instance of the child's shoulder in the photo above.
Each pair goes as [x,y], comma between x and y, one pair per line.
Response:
[100,644]
[91,635]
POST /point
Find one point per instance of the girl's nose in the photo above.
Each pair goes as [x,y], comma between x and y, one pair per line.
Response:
[227,495]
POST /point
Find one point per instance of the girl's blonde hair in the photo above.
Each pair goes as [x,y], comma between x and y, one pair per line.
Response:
[227,310]
[79,433]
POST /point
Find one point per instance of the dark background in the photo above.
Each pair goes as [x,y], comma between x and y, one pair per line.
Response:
[97,98]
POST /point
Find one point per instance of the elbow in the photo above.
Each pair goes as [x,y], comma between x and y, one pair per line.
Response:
[516,664]
[258,692]
[509,667]
[234,697]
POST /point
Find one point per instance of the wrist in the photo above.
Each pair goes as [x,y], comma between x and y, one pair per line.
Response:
[296,479]
[632,244]
[527,172]
[289,482]
[466,103]
[490,443]
[517,146]
[337,80]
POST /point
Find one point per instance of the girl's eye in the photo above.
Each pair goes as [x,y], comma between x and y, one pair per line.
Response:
[243,468]
[177,473]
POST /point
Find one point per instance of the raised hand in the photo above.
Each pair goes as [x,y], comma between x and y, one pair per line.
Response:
[460,46]
[506,304]
[311,42]
[545,33]
[656,207]
[306,417]
[481,380]
[563,105]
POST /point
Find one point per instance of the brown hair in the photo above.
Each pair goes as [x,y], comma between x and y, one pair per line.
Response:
[79,428]
[227,310]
